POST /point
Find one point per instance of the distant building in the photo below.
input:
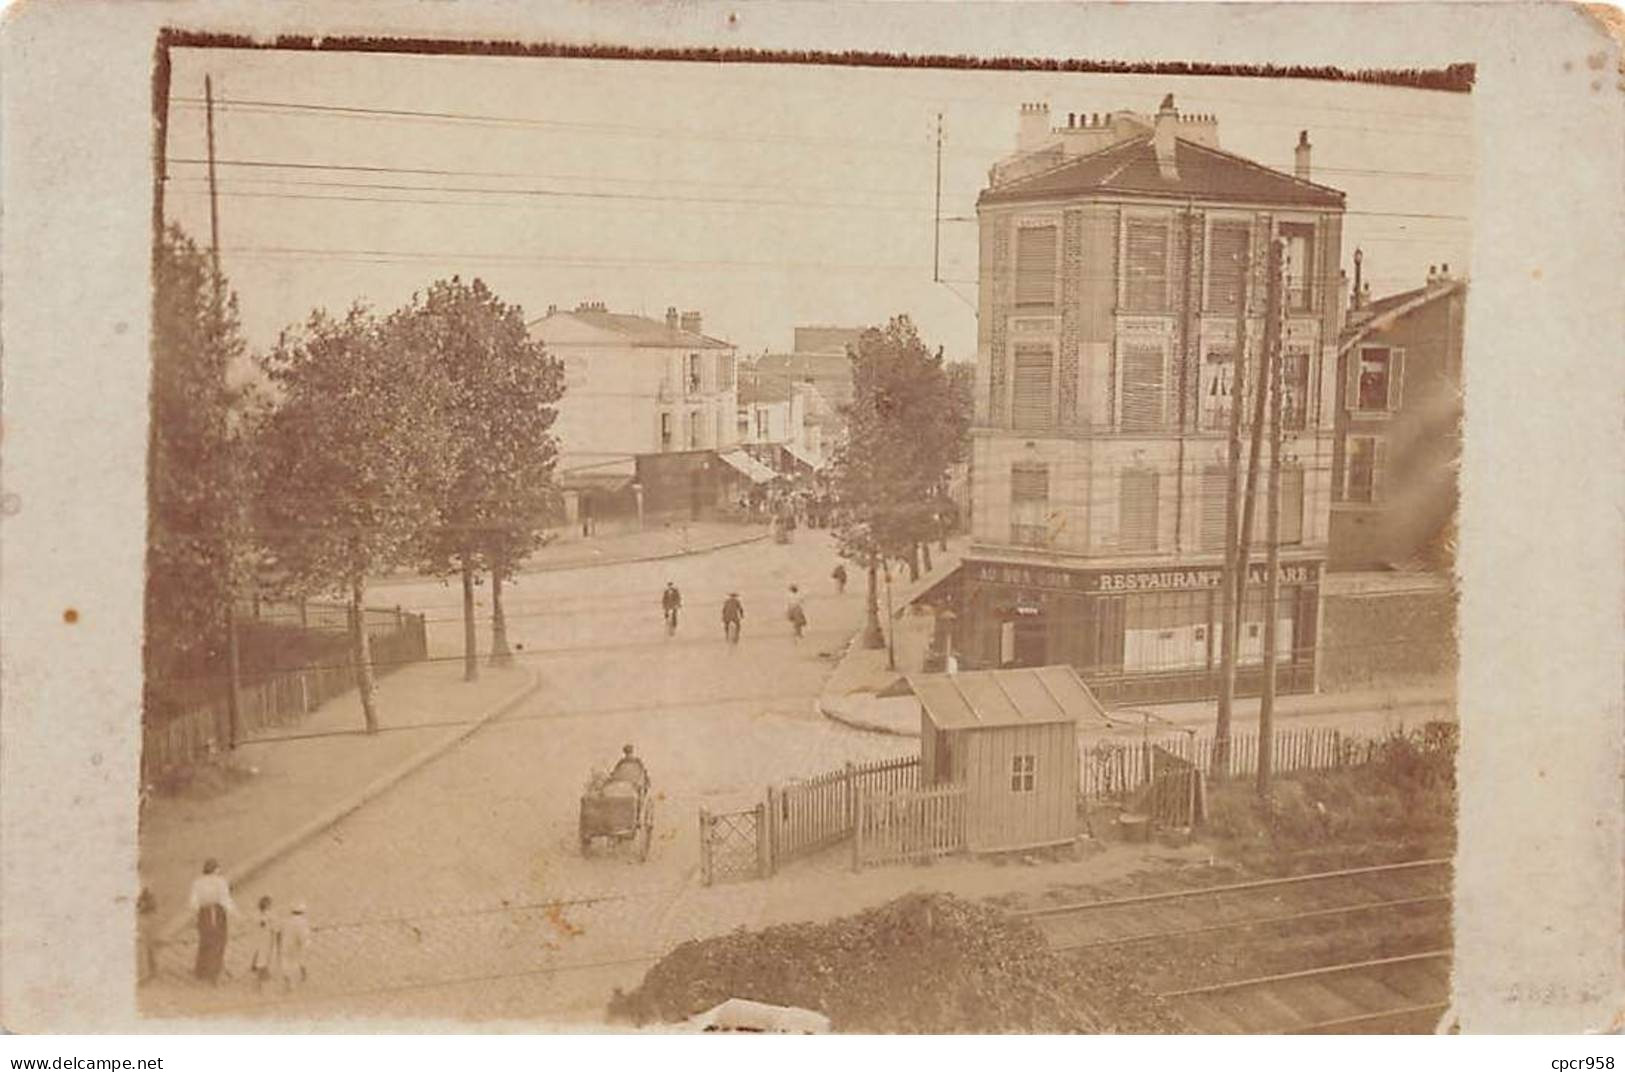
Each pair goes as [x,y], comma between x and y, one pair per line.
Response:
[637,387]
[820,364]
[1398,430]
[773,424]
[1111,262]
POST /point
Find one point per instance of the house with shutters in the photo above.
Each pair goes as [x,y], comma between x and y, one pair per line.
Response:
[1397,422]
[1115,253]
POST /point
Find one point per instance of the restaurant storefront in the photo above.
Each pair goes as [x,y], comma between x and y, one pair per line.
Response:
[1136,635]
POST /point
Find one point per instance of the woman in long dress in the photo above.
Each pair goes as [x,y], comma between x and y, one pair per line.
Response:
[211,900]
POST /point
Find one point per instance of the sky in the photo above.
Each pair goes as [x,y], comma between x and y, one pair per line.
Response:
[764,196]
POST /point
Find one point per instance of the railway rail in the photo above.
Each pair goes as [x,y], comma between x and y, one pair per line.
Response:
[1375,939]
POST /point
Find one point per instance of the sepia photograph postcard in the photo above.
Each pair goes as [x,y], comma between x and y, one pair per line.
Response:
[827,518]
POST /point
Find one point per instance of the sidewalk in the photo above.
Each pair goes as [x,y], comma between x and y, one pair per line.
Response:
[296,781]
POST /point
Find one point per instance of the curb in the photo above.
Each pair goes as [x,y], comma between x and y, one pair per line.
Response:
[858,724]
[279,849]
[646,558]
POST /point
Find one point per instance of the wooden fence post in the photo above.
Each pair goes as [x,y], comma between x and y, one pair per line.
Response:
[770,835]
[762,852]
[850,798]
[857,835]
[705,848]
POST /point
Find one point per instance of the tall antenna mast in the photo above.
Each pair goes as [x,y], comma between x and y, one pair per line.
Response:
[936,235]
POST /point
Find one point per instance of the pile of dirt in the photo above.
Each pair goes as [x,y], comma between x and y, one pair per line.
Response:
[924,963]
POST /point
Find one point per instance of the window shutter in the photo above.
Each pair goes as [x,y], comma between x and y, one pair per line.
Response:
[1035,266]
[1137,523]
[1215,496]
[1032,396]
[1396,378]
[1292,504]
[1379,462]
[1227,247]
[1351,380]
[1029,482]
[1147,260]
[1142,387]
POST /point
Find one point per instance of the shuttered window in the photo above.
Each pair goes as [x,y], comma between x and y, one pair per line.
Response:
[1364,473]
[1291,504]
[1146,276]
[1215,492]
[1300,264]
[1035,265]
[1226,249]
[1029,503]
[1295,387]
[1142,387]
[1031,401]
[1137,510]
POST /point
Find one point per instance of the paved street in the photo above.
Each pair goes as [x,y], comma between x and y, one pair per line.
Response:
[469,869]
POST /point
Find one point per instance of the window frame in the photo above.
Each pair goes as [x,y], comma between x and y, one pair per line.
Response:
[1165,221]
[1394,392]
[1374,484]
[1165,350]
[1214,222]
[1027,533]
[694,374]
[1156,508]
[1024,772]
[1311,288]
[1026,347]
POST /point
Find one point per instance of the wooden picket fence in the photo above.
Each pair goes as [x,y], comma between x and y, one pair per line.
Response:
[203,728]
[813,814]
[1118,769]
[908,825]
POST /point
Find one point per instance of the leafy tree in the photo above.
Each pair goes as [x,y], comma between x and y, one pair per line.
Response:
[902,433]
[497,412]
[352,461]
[193,471]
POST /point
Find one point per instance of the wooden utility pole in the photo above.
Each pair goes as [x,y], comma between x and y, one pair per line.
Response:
[1272,530]
[936,235]
[1228,588]
[1272,299]
[234,682]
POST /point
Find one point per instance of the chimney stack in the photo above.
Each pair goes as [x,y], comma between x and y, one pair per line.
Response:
[1302,168]
[1433,275]
[1359,259]
[691,322]
[671,318]
[1163,137]
[1034,128]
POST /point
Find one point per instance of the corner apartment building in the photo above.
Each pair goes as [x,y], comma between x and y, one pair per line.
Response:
[1111,253]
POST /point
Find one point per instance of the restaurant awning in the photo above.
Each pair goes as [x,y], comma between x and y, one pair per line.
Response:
[805,457]
[749,467]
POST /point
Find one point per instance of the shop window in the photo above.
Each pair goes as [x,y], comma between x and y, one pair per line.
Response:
[1364,469]
[1029,503]
[1251,648]
[1376,379]
[1137,510]
[1299,239]
[1145,283]
[1034,375]
[1023,773]
[1226,263]
[1166,631]
[1035,266]
[1143,390]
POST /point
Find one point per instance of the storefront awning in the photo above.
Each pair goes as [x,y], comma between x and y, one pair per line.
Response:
[749,467]
[807,458]
[610,476]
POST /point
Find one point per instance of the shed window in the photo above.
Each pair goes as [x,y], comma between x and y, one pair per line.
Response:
[1035,266]
[1023,773]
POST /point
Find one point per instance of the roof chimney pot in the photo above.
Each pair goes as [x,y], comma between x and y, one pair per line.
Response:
[1302,156]
[1163,136]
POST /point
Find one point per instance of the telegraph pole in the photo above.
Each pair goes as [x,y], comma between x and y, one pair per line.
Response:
[1272,304]
[1272,531]
[936,234]
[234,682]
[1229,594]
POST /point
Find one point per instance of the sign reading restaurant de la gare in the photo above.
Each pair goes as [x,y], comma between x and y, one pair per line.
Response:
[1140,580]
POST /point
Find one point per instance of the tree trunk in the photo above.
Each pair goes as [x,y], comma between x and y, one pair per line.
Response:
[501,655]
[873,638]
[362,646]
[925,550]
[471,655]
[913,562]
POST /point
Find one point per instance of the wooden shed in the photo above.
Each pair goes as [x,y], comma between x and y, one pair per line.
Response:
[1010,737]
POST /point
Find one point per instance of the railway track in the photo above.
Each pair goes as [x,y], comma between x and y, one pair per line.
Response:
[1358,950]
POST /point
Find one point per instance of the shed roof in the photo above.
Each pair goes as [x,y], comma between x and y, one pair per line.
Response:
[1027,696]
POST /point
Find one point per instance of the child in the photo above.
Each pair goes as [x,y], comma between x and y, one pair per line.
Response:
[295,943]
[267,939]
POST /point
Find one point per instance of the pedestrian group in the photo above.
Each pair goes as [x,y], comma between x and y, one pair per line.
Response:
[278,946]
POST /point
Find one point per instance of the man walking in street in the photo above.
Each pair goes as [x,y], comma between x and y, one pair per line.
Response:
[670,601]
[733,613]
[839,576]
